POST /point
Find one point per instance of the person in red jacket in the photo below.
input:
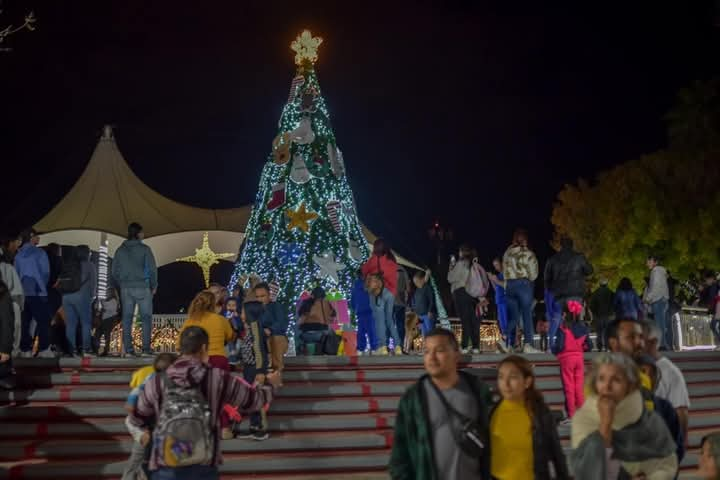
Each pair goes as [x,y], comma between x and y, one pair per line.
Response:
[382,261]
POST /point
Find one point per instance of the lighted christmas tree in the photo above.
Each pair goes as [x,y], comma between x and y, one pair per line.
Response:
[304,229]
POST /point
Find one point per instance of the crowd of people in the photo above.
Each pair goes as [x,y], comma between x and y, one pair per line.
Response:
[628,421]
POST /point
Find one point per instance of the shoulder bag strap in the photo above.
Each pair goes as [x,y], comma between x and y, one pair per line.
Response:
[446,404]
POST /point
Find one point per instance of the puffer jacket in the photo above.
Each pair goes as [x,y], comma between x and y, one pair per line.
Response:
[565,274]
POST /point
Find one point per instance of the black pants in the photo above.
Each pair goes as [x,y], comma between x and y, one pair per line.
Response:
[258,420]
[105,330]
[465,307]
[601,323]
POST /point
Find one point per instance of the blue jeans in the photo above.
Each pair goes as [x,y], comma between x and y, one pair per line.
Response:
[78,310]
[383,314]
[427,324]
[659,311]
[715,328]
[519,299]
[366,332]
[502,318]
[193,472]
[142,297]
[37,308]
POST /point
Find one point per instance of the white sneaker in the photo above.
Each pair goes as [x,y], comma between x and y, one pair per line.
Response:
[527,348]
[360,353]
[25,355]
[47,353]
[476,351]
[501,347]
[465,351]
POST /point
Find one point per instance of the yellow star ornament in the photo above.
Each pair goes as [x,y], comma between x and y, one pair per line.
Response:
[300,218]
[205,258]
[306,47]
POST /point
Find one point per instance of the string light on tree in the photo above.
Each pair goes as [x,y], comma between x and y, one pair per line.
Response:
[304,208]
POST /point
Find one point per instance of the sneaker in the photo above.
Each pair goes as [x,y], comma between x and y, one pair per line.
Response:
[381,351]
[501,347]
[25,355]
[260,435]
[465,351]
[227,433]
[398,350]
[476,351]
[47,353]
[527,348]
[360,353]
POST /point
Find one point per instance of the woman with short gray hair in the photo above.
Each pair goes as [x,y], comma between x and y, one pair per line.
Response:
[613,435]
[709,461]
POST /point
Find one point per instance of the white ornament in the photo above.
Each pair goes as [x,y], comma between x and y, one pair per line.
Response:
[328,266]
[303,134]
[299,173]
[337,164]
[354,250]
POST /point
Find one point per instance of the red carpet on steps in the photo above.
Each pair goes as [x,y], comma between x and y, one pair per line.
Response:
[333,418]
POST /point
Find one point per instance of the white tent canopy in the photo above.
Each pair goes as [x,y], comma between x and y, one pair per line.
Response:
[108,196]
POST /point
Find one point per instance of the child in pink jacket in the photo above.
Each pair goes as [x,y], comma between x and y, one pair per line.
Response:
[572,339]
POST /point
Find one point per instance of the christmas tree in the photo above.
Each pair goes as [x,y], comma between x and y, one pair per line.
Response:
[304,230]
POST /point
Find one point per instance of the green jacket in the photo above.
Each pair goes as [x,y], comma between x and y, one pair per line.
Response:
[412,453]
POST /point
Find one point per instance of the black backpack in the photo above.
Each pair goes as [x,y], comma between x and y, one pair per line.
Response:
[70,278]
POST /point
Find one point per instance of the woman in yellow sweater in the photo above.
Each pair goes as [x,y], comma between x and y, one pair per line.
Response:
[202,314]
[524,442]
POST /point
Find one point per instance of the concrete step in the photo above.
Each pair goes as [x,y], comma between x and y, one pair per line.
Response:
[248,464]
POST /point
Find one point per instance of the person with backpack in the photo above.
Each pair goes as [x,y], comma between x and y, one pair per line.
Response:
[135,273]
[78,283]
[184,406]
[383,262]
[33,268]
[465,280]
[134,470]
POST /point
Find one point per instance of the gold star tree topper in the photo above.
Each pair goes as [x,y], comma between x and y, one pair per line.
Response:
[205,258]
[306,47]
[300,218]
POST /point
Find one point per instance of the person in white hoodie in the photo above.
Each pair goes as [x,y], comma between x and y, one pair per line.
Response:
[656,297]
[9,275]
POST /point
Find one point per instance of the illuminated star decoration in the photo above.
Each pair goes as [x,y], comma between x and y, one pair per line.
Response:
[328,266]
[305,47]
[300,218]
[205,258]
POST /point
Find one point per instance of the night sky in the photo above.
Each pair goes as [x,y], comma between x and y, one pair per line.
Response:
[471,112]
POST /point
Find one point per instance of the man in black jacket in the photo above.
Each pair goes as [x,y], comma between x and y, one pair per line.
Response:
[565,274]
